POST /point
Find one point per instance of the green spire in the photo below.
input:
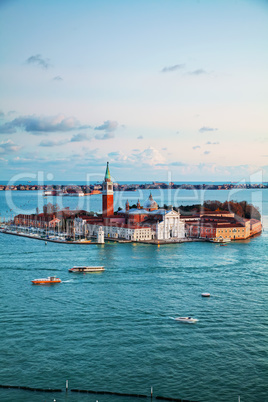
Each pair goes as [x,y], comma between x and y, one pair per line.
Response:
[107,174]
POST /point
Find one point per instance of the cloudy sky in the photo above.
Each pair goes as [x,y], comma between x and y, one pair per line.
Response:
[163,89]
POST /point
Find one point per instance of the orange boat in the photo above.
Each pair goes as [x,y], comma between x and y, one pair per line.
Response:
[46,281]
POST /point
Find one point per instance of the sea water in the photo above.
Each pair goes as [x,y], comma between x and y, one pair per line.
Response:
[112,331]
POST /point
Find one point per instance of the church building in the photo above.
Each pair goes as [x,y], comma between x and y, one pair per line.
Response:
[135,224]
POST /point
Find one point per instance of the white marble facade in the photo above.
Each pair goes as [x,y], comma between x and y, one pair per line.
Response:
[170,227]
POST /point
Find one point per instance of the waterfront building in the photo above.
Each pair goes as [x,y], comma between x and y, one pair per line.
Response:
[171,226]
[136,224]
[51,217]
[221,225]
[120,231]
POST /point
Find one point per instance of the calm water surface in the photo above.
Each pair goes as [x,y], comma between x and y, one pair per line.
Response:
[113,331]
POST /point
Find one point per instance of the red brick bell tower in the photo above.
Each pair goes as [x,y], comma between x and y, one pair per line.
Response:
[107,195]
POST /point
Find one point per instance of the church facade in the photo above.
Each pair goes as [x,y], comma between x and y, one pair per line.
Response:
[145,223]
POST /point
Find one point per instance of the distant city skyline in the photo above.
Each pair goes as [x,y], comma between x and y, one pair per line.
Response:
[163,90]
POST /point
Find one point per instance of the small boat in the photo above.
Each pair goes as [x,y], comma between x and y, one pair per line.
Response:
[82,241]
[219,240]
[205,294]
[86,269]
[46,281]
[189,320]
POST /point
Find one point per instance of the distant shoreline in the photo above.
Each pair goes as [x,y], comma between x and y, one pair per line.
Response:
[133,187]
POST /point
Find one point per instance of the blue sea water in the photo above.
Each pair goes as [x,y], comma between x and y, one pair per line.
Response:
[15,202]
[114,330]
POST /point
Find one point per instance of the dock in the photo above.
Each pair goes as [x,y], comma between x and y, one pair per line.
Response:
[49,240]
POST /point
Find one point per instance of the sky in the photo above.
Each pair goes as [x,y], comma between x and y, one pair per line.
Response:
[167,90]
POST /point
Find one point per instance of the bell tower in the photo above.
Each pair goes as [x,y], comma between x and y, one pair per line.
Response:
[107,194]
[127,206]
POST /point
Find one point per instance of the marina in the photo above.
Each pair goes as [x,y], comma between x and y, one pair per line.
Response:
[63,240]
[35,236]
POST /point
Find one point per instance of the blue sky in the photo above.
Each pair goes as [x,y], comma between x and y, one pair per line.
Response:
[167,89]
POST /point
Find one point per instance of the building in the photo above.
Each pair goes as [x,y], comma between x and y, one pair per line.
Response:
[107,195]
[52,218]
[221,224]
[145,223]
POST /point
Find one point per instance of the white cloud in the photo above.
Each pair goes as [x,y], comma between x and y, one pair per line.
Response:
[41,124]
[108,125]
[117,156]
[52,143]
[80,137]
[106,136]
[150,156]
[7,147]
[206,129]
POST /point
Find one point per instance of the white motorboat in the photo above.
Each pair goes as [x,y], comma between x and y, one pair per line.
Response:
[86,269]
[189,320]
[205,294]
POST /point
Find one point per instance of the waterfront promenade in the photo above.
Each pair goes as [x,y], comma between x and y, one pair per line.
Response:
[90,242]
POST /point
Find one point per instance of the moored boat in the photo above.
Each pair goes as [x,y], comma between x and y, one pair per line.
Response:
[219,240]
[86,269]
[81,241]
[46,281]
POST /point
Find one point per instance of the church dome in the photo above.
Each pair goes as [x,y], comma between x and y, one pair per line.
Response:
[150,204]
